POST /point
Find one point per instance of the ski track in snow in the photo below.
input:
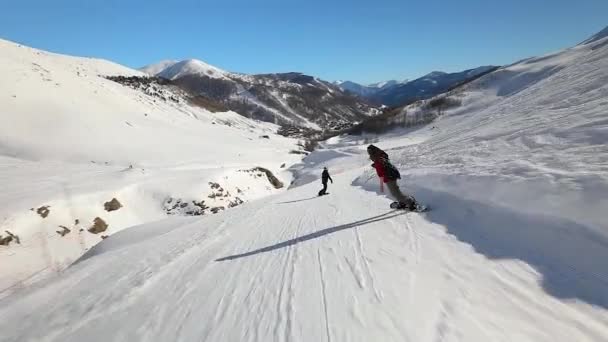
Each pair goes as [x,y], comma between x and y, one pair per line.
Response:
[306,277]
[368,282]
[324,297]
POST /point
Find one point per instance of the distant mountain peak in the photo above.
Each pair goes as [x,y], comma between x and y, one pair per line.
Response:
[368,90]
[190,67]
[426,86]
[171,69]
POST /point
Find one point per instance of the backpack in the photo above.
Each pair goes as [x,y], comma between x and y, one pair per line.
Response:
[390,170]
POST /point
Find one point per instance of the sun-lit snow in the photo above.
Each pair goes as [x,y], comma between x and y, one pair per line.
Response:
[175,70]
[156,68]
[72,140]
[513,249]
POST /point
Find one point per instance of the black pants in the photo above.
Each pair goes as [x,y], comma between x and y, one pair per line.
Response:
[324,190]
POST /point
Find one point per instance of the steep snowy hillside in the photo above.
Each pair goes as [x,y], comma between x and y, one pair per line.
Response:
[513,249]
[288,99]
[72,140]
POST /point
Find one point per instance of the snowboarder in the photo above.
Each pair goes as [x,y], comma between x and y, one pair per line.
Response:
[389,174]
[324,178]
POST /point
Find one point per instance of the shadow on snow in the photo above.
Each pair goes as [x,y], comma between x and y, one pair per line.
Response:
[299,200]
[570,257]
[315,235]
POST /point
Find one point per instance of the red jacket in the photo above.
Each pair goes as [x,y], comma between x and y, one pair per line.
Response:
[385,170]
[379,166]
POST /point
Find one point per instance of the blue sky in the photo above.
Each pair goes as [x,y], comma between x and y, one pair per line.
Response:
[363,41]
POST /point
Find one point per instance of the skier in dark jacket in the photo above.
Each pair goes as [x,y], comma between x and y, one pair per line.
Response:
[389,174]
[324,178]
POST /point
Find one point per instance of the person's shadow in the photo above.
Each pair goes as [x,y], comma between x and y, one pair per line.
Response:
[300,200]
[315,235]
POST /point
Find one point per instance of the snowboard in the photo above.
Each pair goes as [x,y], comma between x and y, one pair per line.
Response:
[321,194]
[419,208]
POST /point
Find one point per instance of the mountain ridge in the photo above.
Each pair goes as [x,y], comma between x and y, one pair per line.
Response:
[287,99]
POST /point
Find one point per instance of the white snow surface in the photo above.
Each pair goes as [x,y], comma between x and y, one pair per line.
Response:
[513,249]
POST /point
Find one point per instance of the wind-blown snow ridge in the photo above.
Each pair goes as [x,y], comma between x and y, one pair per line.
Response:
[190,67]
[154,69]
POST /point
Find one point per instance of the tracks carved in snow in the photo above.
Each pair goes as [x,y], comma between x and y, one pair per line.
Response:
[285,306]
[324,296]
[414,247]
[413,240]
[366,267]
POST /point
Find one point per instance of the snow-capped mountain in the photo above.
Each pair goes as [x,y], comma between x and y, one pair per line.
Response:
[172,70]
[397,93]
[426,86]
[514,247]
[292,99]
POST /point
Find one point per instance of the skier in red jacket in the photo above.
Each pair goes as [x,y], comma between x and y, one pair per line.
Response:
[389,174]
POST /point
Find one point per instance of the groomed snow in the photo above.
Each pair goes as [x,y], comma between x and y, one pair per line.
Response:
[343,267]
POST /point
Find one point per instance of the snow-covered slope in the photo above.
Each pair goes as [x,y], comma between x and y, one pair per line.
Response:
[341,267]
[59,107]
[72,140]
[513,249]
